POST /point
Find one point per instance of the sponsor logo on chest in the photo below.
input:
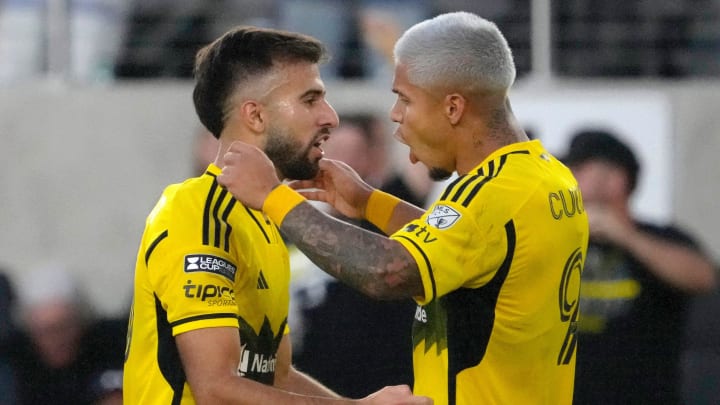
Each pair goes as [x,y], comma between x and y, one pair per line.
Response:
[256,363]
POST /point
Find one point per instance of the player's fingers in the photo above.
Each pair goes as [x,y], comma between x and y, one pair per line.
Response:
[328,164]
[315,195]
[303,184]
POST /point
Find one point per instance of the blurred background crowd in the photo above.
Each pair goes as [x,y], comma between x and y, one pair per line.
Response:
[96,118]
[103,40]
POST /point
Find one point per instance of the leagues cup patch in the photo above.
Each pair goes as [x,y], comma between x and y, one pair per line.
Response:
[442,217]
[210,264]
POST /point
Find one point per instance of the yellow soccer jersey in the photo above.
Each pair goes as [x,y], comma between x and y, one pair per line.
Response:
[205,260]
[500,254]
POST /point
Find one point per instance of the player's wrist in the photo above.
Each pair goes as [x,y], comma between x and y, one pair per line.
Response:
[379,208]
[280,201]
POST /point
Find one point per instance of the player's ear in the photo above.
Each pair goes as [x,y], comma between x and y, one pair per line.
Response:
[252,115]
[454,105]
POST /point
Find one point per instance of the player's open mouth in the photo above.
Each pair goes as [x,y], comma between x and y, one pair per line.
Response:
[318,143]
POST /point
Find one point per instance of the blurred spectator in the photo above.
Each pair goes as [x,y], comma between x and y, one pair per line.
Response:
[636,284]
[361,141]
[334,325]
[380,24]
[701,354]
[61,353]
[103,349]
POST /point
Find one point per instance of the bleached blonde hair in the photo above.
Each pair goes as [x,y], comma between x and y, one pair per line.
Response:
[458,50]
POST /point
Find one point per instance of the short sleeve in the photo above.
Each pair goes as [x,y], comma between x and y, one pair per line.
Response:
[195,287]
[451,248]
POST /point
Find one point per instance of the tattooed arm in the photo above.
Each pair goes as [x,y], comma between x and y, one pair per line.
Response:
[340,186]
[373,264]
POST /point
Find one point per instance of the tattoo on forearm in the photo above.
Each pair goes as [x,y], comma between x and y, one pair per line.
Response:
[372,263]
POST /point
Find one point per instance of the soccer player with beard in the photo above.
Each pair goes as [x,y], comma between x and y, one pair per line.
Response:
[494,265]
[209,316]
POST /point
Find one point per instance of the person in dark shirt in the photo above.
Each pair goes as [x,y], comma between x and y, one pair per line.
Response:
[636,284]
[60,349]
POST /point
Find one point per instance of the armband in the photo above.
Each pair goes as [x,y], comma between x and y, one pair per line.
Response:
[380,207]
[281,200]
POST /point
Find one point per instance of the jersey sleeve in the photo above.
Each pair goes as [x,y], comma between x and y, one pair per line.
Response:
[194,285]
[452,248]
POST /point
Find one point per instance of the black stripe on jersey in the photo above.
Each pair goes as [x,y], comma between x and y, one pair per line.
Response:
[475,190]
[212,215]
[168,357]
[462,188]
[491,167]
[467,179]
[154,244]
[463,182]
[216,218]
[205,316]
[206,213]
[471,318]
[228,227]
[427,263]
[257,221]
[450,187]
[492,173]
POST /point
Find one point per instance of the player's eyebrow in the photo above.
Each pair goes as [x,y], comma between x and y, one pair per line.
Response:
[313,93]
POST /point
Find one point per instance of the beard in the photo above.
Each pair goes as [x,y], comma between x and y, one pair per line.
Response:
[289,156]
[438,174]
